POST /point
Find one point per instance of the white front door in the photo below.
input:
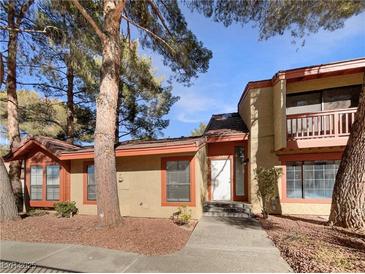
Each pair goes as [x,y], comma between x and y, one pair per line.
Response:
[221,179]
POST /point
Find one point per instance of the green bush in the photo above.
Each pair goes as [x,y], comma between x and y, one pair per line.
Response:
[36,212]
[266,186]
[182,216]
[66,209]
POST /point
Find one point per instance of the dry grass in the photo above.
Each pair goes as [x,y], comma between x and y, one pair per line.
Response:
[308,245]
[141,235]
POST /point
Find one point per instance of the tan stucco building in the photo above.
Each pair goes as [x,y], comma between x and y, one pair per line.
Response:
[299,121]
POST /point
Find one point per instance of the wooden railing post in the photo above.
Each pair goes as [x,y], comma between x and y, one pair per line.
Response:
[335,121]
[324,124]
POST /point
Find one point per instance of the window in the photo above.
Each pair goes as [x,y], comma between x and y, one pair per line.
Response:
[326,99]
[91,185]
[303,102]
[53,182]
[36,182]
[239,159]
[311,179]
[178,181]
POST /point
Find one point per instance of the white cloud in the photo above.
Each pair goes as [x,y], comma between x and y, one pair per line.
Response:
[194,107]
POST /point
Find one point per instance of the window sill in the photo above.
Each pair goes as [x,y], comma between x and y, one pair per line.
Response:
[190,204]
[307,201]
[89,202]
[42,203]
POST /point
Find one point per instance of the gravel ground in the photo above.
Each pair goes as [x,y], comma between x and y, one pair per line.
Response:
[141,235]
[310,246]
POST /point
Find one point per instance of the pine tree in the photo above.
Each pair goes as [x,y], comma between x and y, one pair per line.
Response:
[168,36]
[14,14]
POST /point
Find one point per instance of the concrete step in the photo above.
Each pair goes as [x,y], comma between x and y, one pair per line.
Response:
[226,214]
[226,209]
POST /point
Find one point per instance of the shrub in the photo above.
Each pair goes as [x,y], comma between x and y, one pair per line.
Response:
[182,216]
[266,181]
[66,209]
[36,212]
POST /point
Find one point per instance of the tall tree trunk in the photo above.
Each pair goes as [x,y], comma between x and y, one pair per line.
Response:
[106,112]
[13,122]
[117,121]
[348,199]
[8,208]
[70,126]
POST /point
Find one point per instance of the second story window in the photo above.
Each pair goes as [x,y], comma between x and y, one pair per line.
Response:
[322,100]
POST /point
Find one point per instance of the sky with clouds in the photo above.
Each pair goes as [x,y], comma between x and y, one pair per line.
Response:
[238,57]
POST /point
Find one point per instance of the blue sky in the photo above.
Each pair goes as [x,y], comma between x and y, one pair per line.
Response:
[238,57]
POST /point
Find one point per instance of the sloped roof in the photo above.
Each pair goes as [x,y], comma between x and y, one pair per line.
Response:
[226,124]
[54,146]
[131,144]
[60,148]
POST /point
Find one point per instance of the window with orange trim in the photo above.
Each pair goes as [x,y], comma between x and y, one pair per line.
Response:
[178,181]
[45,182]
[89,184]
[36,183]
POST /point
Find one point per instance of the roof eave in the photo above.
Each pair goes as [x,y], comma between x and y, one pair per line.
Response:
[352,66]
[141,151]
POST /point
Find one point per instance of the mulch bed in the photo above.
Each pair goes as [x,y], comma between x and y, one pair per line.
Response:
[141,235]
[308,245]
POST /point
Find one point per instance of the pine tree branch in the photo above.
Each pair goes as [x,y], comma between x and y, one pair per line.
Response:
[27,30]
[23,10]
[159,15]
[150,32]
[119,10]
[129,35]
[42,85]
[89,19]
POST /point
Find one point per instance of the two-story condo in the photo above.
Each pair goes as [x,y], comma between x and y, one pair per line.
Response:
[299,121]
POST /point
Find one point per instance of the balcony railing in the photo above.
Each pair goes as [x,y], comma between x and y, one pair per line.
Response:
[324,124]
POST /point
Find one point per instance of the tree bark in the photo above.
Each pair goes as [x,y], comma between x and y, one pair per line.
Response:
[348,199]
[70,126]
[8,208]
[117,121]
[106,113]
[13,122]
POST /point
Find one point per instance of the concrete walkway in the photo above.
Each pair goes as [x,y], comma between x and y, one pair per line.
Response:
[218,244]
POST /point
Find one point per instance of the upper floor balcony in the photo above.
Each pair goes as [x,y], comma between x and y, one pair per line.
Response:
[321,118]
[318,129]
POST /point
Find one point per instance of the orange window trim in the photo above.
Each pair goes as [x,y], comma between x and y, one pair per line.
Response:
[63,191]
[304,157]
[164,201]
[85,199]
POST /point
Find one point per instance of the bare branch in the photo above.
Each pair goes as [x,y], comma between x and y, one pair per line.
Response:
[40,84]
[89,19]
[25,7]
[159,15]
[150,32]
